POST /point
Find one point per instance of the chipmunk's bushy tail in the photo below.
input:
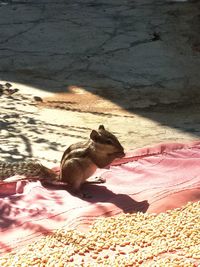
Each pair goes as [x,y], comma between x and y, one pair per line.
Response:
[32,169]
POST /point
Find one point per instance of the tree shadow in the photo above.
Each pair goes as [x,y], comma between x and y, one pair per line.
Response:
[21,132]
[10,213]
[4,247]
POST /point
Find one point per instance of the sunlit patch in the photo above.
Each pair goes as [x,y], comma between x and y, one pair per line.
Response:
[79,99]
[26,89]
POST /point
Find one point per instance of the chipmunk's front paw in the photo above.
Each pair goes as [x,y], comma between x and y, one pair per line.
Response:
[100,179]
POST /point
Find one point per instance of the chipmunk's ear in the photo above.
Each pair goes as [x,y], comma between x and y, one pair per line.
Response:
[101,127]
[94,135]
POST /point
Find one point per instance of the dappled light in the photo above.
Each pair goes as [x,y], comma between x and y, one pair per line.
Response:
[67,67]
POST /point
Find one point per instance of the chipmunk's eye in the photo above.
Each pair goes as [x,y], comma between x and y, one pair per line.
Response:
[109,142]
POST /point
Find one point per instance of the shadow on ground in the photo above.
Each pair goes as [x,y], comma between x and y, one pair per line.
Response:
[142,56]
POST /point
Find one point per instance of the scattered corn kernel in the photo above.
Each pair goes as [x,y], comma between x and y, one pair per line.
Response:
[167,239]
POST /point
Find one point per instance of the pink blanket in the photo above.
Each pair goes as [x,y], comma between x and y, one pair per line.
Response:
[151,179]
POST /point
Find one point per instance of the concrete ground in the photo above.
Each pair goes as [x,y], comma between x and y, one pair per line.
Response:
[130,65]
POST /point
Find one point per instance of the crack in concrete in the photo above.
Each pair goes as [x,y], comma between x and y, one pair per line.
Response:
[17,34]
[35,53]
[24,22]
[131,45]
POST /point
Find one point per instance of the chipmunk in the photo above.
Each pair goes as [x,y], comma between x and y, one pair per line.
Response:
[81,160]
[78,163]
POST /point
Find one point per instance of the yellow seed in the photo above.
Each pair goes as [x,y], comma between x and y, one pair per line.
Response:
[81,253]
[105,247]
[122,252]
[109,243]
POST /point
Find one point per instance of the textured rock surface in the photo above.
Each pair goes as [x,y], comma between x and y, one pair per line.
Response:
[150,49]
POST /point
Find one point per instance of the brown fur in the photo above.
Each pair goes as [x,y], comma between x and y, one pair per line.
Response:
[81,160]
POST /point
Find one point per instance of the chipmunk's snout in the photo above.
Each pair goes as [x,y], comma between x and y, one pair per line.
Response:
[121,154]
[120,151]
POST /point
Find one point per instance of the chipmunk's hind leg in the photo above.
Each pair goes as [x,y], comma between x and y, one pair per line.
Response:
[75,189]
[72,174]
